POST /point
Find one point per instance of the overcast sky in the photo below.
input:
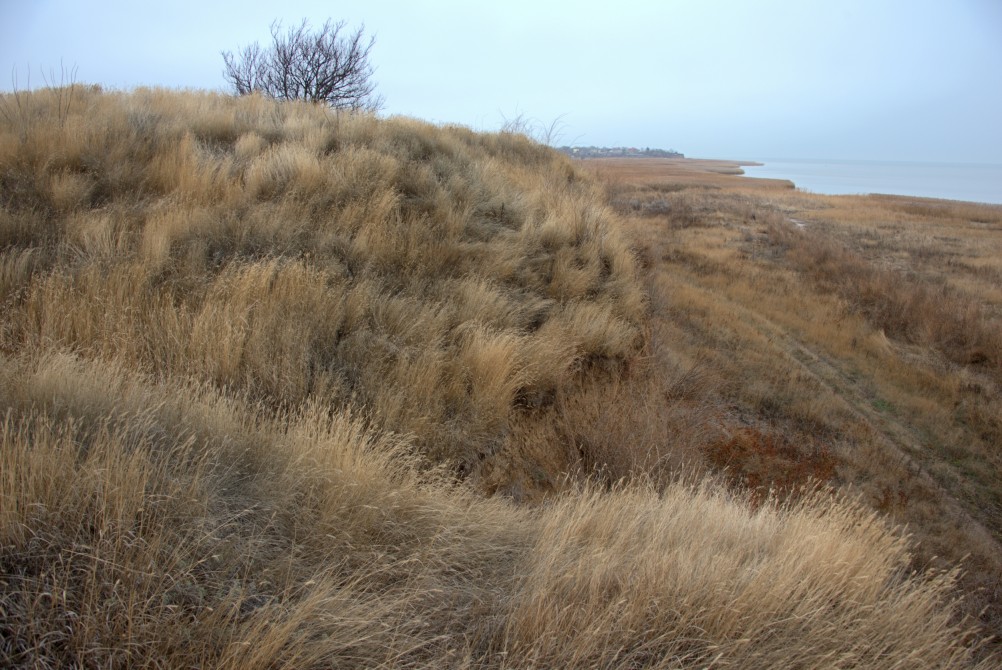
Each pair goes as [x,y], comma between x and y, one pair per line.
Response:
[745,79]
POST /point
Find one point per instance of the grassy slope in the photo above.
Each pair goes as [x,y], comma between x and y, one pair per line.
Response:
[853,339]
[246,349]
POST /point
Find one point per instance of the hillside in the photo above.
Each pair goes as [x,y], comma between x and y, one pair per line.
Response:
[852,339]
[285,388]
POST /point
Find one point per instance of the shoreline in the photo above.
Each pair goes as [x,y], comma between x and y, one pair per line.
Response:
[703,172]
[730,173]
[719,172]
[969,183]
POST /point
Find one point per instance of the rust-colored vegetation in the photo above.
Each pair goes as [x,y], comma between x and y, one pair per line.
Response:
[768,464]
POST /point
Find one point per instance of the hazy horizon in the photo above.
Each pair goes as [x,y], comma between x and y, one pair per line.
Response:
[897,81]
[827,159]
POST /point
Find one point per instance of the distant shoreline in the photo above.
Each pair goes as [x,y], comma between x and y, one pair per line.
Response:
[618,152]
[973,183]
[981,183]
[704,171]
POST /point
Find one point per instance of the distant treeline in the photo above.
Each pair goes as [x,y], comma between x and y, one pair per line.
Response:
[620,152]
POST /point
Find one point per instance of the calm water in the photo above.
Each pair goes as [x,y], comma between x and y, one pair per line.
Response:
[953,181]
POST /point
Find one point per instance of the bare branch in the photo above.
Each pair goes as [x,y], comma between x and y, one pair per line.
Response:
[328,66]
[521,124]
[245,71]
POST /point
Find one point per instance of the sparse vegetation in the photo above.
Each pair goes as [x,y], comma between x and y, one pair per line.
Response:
[282,387]
[858,333]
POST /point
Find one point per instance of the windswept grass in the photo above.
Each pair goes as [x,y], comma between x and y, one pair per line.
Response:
[262,364]
[150,524]
[433,275]
[849,340]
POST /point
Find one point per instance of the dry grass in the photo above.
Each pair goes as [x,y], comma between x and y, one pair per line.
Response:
[295,255]
[907,307]
[260,364]
[712,595]
[852,340]
[154,524]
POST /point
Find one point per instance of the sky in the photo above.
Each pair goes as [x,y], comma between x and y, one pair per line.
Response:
[741,79]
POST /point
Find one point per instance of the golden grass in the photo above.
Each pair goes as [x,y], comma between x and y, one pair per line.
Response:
[847,328]
[261,366]
[157,524]
[295,255]
[926,313]
[713,594]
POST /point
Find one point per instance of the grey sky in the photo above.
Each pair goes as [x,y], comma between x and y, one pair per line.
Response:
[865,79]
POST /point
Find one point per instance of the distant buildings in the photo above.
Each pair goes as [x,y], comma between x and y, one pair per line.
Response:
[619,152]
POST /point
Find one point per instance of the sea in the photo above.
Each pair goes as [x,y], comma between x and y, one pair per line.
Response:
[951,181]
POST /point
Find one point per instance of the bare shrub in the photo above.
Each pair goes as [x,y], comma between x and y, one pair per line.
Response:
[329,66]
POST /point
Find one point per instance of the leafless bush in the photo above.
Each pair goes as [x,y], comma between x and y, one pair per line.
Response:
[326,66]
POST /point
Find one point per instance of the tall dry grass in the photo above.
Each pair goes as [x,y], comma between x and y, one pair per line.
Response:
[246,348]
[433,275]
[777,301]
[149,524]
